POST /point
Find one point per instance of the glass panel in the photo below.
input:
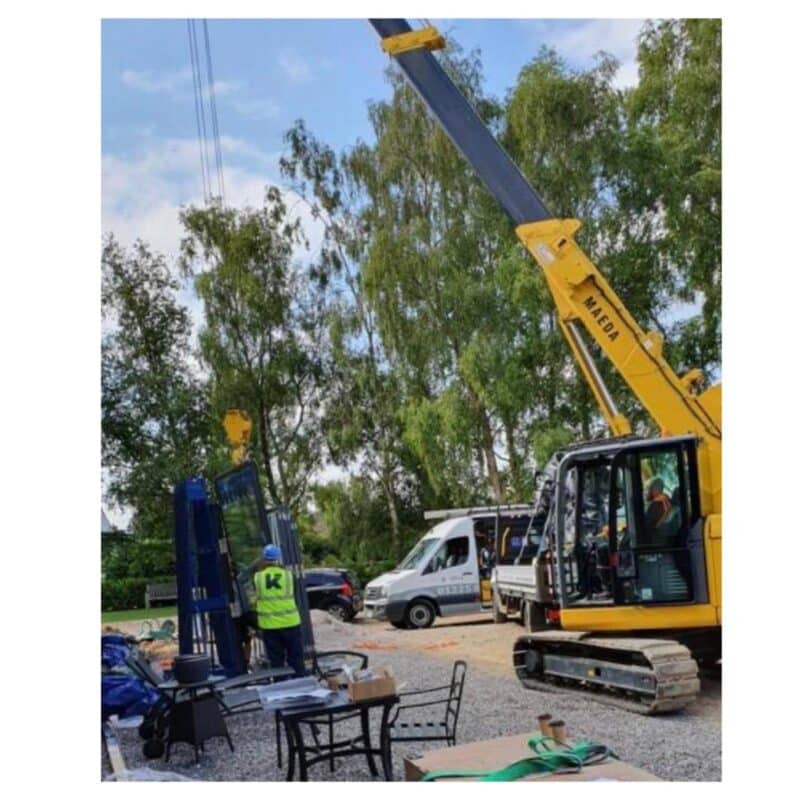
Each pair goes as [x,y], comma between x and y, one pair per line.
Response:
[652,562]
[240,506]
[240,514]
[626,508]
[591,550]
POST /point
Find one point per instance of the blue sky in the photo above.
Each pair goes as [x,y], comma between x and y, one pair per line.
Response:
[269,73]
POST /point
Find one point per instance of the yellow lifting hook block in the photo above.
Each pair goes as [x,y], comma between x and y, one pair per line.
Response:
[429,38]
[238,427]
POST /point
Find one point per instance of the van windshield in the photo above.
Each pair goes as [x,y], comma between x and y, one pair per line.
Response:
[418,554]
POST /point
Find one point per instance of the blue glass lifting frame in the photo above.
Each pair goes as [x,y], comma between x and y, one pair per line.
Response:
[205,620]
[241,488]
[212,587]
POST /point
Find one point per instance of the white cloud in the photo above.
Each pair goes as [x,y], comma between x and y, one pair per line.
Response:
[259,108]
[222,88]
[579,40]
[149,81]
[143,193]
[179,87]
[294,66]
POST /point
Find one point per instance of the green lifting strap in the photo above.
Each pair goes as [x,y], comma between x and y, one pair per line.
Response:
[545,761]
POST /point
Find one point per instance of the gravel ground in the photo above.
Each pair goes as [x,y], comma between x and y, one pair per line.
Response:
[678,747]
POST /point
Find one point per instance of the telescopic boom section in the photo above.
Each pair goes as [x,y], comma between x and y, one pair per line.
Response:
[498,172]
[580,292]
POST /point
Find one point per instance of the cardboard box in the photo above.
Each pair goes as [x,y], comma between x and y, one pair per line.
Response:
[498,753]
[381,685]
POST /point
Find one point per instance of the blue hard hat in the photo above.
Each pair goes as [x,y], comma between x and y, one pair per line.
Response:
[272,553]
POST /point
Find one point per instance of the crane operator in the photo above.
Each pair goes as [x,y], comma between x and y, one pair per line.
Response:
[659,508]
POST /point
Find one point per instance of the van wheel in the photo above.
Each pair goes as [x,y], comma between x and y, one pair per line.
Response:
[419,614]
[497,614]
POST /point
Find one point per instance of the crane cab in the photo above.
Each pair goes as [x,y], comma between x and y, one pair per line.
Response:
[625,530]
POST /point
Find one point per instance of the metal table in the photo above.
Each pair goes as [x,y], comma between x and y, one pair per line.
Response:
[337,709]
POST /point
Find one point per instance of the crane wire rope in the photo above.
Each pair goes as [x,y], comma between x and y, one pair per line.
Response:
[198,109]
[205,94]
[212,102]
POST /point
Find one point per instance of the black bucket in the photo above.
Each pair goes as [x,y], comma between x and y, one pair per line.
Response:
[191,668]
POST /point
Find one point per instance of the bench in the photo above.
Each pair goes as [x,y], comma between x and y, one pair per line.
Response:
[160,592]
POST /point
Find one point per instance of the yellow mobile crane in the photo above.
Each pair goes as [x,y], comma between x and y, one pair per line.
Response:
[627,594]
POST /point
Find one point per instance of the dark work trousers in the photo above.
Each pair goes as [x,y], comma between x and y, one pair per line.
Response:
[285,645]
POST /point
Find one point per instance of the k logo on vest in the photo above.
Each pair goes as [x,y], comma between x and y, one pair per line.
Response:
[273,582]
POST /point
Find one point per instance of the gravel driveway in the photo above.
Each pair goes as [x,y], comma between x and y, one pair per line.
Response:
[682,746]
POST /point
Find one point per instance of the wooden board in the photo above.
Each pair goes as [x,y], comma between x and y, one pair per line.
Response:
[114,753]
[498,753]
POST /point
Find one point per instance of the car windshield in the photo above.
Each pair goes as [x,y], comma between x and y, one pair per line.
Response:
[418,554]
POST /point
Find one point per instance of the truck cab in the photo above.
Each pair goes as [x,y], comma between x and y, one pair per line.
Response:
[448,571]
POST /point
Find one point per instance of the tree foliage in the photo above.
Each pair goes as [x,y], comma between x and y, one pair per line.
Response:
[154,409]
[675,113]
[262,337]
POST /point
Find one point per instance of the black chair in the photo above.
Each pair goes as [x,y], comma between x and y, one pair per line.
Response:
[331,662]
[404,727]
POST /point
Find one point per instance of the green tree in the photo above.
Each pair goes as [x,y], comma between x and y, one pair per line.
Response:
[361,417]
[433,237]
[675,172]
[154,414]
[262,338]
[354,515]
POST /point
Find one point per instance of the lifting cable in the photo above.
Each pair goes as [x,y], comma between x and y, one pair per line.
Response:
[212,102]
[202,87]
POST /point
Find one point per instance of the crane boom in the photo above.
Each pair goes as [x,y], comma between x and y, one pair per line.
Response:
[499,173]
[580,292]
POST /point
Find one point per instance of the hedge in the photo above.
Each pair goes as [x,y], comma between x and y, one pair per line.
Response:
[120,594]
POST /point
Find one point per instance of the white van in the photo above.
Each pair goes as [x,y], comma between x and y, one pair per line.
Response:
[447,572]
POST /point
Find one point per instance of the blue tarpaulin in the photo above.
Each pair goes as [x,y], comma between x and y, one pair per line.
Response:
[122,694]
[114,655]
[126,696]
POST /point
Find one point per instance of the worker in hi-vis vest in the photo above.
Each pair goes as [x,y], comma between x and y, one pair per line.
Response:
[278,617]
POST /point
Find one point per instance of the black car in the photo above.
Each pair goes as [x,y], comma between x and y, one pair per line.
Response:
[334,590]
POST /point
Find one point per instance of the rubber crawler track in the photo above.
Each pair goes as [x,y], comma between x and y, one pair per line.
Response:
[674,685]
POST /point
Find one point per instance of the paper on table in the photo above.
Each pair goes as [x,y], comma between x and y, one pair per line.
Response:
[272,697]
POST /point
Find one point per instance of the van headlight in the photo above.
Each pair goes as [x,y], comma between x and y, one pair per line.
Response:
[375,592]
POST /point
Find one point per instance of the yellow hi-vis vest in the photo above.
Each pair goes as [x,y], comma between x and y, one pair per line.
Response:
[275,604]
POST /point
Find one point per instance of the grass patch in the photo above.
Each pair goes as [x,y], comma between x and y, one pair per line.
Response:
[139,613]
